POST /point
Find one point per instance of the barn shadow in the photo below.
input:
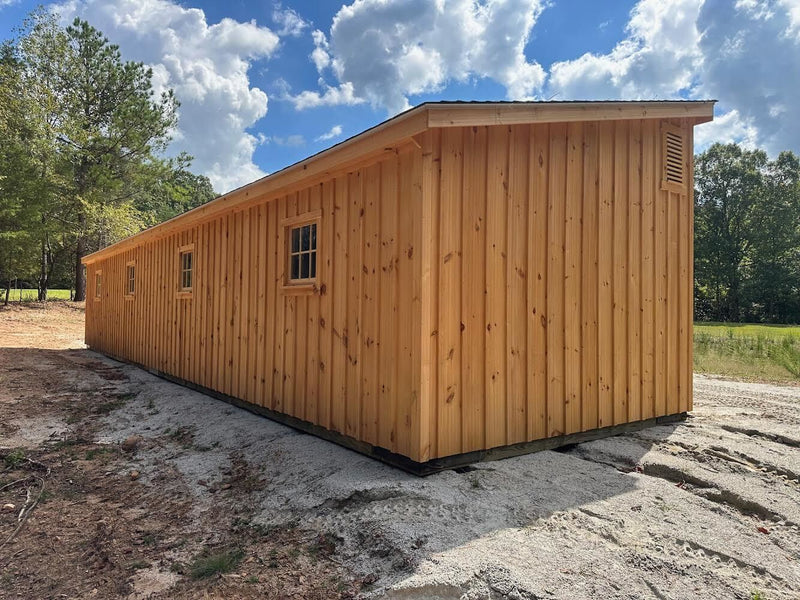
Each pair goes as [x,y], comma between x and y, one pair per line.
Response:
[390,519]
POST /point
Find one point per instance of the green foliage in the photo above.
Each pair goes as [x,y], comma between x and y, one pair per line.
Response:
[747,236]
[215,563]
[80,164]
[14,458]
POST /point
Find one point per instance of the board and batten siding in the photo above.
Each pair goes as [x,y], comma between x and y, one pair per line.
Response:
[478,287]
[557,275]
[345,358]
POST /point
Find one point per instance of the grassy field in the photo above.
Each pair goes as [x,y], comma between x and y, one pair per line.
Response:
[748,351]
[31,294]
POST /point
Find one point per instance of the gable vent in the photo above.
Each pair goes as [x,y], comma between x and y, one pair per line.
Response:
[672,148]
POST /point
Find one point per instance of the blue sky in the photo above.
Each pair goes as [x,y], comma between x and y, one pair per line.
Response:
[265,84]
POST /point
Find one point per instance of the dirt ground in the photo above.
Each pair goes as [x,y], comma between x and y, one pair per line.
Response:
[134,487]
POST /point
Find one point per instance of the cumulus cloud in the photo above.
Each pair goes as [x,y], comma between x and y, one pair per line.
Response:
[656,60]
[290,23]
[344,94]
[751,62]
[387,50]
[207,66]
[320,55]
[334,132]
[745,53]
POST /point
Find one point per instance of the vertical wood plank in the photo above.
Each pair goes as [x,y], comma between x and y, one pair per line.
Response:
[605,266]
[450,394]
[620,208]
[496,280]
[648,272]
[589,280]
[572,278]
[537,282]
[473,288]
[516,285]
[388,305]
[556,220]
[312,358]
[326,304]
[635,272]
[431,177]
[355,263]
[406,350]
[340,300]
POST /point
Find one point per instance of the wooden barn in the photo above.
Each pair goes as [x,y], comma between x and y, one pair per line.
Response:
[463,281]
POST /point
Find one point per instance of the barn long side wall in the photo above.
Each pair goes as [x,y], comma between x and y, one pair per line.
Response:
[345,358]
[557,282]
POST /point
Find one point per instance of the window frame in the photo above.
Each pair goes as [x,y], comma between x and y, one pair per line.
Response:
[98,284]
[130,293]
[185,292]
[309,285]
[666,184]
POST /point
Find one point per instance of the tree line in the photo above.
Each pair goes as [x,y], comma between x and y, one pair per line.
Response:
[82,141]
[82,137]
[747,236]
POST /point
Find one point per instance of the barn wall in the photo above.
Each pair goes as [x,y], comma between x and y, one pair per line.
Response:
[556,282]
[345,357]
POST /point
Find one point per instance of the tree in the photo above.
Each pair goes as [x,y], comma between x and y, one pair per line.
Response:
[747,235]
[107,123]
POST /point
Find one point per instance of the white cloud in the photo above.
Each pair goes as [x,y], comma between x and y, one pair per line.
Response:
[746,54]
[334,132]
[290,22]
[291,141]
[207,66]
[751,62]
[4,3]
[386,50]
[725,129]
[332,96]
[656,60]
[320,56]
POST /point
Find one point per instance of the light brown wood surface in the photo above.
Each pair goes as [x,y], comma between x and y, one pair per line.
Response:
[485,286]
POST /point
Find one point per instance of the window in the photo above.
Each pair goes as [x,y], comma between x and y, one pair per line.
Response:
[673,175]
[303,253]
[98,281]
[187,257]
[130,278]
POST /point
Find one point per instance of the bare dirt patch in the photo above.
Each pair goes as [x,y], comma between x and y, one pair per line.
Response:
[709,508]
[103,523]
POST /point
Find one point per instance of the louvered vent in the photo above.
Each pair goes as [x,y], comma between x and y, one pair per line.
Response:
[673,157]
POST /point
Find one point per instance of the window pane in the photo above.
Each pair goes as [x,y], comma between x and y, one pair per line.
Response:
[296,239]
[188,279]
[314,236]
[188,260]
[305,242]
[295,270]
[313,269]
[304,266]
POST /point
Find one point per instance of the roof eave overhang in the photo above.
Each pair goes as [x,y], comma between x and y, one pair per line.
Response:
[385,137]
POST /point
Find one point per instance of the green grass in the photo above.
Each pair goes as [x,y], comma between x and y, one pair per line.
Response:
[29,295]
[748,351]
[218,562]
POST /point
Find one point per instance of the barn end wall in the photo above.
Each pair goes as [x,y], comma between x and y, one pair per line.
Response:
[557,282]
[344,357]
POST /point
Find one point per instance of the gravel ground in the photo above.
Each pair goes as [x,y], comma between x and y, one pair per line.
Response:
[708,508]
